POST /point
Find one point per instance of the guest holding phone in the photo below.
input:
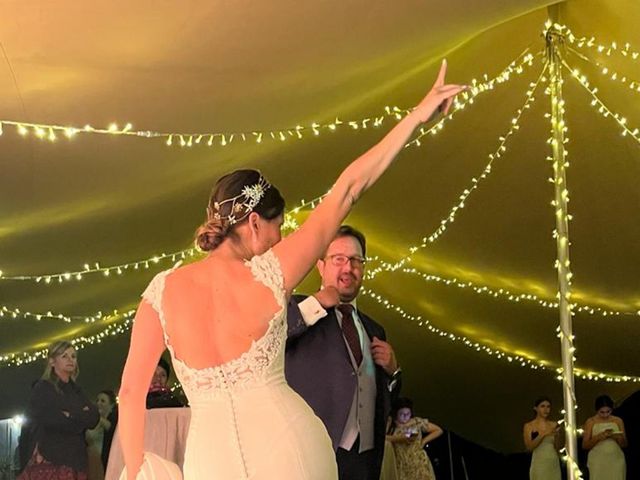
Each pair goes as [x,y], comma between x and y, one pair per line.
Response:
[409,435]
[604,437]
[542,438]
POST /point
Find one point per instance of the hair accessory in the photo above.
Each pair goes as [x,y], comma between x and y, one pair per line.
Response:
[242,204]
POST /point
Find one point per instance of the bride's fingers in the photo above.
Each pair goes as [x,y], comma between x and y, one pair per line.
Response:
[442,73]
[447,105]
[451,88]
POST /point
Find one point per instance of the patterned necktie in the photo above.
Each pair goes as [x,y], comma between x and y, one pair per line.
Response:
[350,331]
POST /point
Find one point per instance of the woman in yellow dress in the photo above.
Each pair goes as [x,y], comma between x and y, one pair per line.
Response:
[409,435]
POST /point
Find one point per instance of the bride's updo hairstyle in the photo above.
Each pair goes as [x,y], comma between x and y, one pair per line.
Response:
[232,199]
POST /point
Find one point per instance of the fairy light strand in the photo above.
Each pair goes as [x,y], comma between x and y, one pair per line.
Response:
[144,264]
[121,323]
[15,313]
[506,294]
[591,43]
[497,353]
[555,40]
[608,72]
[95,267]
[50,132]
[600,106]
[500,151]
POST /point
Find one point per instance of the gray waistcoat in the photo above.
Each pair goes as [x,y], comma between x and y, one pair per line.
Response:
[361,418]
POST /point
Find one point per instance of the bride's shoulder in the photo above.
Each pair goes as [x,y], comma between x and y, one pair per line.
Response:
[192,272]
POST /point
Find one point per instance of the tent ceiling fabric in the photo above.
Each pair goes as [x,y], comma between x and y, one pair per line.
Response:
[244,66]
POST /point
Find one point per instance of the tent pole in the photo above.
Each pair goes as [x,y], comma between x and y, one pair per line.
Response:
[450,454]
[555,40]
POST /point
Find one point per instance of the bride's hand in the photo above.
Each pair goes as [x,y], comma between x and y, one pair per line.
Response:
[439,98]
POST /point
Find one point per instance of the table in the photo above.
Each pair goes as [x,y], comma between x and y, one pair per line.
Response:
[165,433]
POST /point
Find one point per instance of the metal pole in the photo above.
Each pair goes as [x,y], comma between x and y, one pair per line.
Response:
[464,468]
[554,39]
[450,454]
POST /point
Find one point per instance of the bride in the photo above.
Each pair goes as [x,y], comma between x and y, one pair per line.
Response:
[223,320]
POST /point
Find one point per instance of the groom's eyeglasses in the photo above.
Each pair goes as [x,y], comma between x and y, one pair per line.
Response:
[341,260]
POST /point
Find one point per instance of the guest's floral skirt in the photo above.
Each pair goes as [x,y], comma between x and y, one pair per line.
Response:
[40,469]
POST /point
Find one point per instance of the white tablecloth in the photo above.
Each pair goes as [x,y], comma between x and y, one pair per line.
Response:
[165,433]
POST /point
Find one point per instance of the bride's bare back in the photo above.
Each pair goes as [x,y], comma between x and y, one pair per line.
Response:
[214,309]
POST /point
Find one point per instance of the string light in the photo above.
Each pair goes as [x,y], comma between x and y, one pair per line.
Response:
[511,296]
[557,140]
[117,270]
[625,50]
[500,354]
[15,313]
[223,139]
[600,107]
[94,267]
[608,72]
[500,151]
[209,139]
[121,323]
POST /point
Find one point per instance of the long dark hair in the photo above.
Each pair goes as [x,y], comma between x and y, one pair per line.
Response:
[603,401]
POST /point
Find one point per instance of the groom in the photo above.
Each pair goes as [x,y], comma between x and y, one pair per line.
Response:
[337,359]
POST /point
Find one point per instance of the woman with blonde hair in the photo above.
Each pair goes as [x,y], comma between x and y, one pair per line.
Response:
[60,413]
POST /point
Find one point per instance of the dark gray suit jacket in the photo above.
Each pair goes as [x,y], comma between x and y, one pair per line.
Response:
[318,367]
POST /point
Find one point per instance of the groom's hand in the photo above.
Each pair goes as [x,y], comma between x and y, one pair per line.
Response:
[383,355]
[328,297]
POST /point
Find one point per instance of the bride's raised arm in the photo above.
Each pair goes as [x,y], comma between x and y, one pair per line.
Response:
[299,251]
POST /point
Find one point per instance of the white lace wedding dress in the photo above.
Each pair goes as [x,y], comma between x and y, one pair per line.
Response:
[246,422]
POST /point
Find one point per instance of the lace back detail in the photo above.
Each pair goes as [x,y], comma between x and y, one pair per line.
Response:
[254,366]
[266,270]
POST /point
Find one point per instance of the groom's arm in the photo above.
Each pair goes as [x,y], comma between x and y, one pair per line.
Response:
[302,312]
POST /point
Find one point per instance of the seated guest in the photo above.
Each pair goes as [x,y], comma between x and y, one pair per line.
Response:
[159,395]
[60,412]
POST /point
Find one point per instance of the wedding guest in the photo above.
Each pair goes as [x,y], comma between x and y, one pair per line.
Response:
[61,413]
[542,437]
[108,397]
[389,470]
[159,394]
[409,435]
[604,437]
[105,402]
